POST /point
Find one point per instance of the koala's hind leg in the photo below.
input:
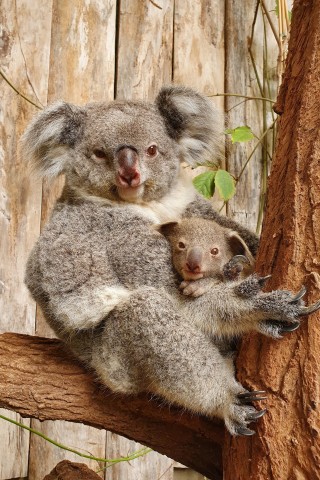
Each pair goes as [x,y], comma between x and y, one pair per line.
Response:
[147,346]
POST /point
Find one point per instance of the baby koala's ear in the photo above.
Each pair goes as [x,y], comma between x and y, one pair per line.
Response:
[166,229]
[238,246]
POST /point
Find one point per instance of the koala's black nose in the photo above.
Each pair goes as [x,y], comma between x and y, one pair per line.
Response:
[128,167]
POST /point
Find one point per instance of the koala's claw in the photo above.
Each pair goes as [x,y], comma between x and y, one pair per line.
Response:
[244,431]
[290,327]
[299,295]
[248,397]
[263,280]
[243,412]
[311,309]
[252,417]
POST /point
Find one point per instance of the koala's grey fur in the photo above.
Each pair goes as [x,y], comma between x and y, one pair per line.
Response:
[104,279]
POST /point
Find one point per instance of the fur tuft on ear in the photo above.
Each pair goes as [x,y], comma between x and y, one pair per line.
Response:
[192,120]
[49,137]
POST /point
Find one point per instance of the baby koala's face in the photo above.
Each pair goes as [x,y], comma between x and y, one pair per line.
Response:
[200,248]
[195,256]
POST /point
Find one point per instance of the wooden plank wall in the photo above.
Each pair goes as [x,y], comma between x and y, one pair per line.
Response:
[101,49]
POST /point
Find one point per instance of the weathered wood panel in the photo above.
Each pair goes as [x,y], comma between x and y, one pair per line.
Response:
[145,48]
[21,61]
[199,55]
[238,70]
[82,60]
[241,79]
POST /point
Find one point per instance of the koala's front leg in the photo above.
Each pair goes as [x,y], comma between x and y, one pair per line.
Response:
[279,310]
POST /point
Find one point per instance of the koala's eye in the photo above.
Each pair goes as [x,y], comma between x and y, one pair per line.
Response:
[181,246]
[214,251]
[99,154]
[152,151]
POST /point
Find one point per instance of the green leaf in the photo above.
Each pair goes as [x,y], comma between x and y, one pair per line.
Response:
[240,134]
[225,184]
[204,183]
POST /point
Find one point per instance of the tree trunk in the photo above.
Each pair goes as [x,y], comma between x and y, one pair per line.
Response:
[40,379]
[287,443]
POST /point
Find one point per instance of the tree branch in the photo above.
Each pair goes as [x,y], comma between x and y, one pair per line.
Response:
[40,379]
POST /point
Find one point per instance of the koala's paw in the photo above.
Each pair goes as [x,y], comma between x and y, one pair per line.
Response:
[251,286]
[276,329]
[233,268]
[195,288]
[285,307]
[242,412]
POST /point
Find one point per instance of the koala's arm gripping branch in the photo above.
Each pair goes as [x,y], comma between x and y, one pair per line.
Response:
[40,379]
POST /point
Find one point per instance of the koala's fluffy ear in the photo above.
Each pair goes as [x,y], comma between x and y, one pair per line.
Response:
[47,141]
[165,229]
[193,122]
[238,246]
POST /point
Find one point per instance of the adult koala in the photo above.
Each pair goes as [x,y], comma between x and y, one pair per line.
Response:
[103,277]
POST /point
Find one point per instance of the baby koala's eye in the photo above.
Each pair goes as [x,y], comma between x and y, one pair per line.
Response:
[181,246]
[152,150]
[214,251]
[99,154]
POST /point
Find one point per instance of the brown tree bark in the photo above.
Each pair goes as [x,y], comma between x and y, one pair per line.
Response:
[287,443]
[40,379]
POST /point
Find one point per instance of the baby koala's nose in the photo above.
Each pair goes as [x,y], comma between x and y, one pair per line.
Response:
[194,259]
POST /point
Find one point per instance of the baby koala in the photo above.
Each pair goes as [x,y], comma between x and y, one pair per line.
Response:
[205,254]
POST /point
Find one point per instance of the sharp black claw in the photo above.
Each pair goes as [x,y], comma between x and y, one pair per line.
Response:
[244,431]
[263,280]
[291,327]
[248,401]
[249,397]
[256,415]
[299,295]
[311,309]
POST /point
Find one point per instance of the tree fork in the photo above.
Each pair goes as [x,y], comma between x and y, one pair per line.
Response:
[40,379]
[287,443]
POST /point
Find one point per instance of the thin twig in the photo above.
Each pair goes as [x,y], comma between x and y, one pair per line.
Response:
[17,91]
[255,148]
[287,16]
[237,105]
[248,97]
[155,4]
[256,72]
[64,447]
[273,28]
